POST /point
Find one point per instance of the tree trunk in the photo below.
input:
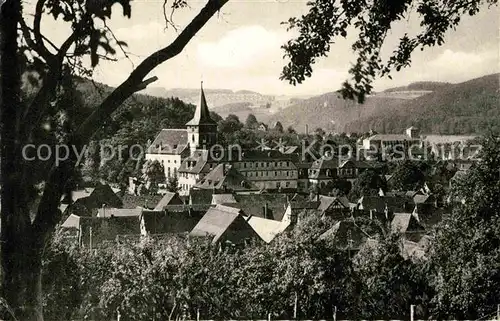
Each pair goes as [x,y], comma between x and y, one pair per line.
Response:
[21,253]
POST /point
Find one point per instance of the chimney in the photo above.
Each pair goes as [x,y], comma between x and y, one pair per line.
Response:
[371,214]
[307,129]
[265,210]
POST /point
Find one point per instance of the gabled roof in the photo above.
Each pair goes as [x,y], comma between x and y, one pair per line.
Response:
[421,199]
[108,229]
[163,222]
[168,199]
[146,201]
[225,177]
[326,202]
[345,234]
[220,220]
[73,221]
[99,195]
[253,204]
[76,195]
[195,164]
[201,114]
[169,142]
[267,229]
[405,223]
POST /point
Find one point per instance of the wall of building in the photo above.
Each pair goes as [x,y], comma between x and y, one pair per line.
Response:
[171,163]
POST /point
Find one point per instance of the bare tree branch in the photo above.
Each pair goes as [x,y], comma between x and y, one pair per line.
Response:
[44,52]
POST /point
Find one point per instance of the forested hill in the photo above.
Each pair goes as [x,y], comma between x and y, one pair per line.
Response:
[140,117]
[464,108]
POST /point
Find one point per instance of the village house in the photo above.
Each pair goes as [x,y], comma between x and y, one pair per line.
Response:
[225,178]
[86,202]
[169,222]
[226,226]
[96,232]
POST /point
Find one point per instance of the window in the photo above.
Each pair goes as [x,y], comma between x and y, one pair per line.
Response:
[287,173]
[287,184]
[244,165]
[192,138]
[275,173]
[275,163]
[278,184]
[287,163]
[256,165]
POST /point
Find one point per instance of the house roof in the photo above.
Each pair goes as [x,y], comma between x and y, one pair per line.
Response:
[216,222]
[404,223]
[421,199]
[253,204]
[101,194]
[73,221]
[76,195]
[201,114]
[188,207]
[147,201]
[226,177]
[223,199]
[163,222]
[264,155]
[108,229]
[167,199]
[195,163]
[379,203]
[200,196]
[267,229]
[119,212]
[169,142]
[327,201]
[345,234]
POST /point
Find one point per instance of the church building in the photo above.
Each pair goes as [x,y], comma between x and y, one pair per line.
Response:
[172,146]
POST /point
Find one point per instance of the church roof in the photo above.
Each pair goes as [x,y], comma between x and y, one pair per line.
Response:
[201,115]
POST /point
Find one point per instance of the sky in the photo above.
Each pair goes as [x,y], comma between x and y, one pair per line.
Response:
[239,49]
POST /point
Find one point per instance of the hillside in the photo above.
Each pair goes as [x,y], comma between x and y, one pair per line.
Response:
[421,86]
[329,111]
[140,117]
[435,107]
[215,97]
[469,107]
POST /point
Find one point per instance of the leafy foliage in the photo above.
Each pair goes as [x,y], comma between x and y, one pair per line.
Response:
[465,254]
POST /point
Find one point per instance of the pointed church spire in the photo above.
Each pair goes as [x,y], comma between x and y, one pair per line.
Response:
[201,115]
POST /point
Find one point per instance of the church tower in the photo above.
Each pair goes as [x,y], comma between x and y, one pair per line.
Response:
[202,129]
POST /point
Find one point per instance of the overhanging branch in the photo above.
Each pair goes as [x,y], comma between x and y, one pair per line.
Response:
[44,221]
